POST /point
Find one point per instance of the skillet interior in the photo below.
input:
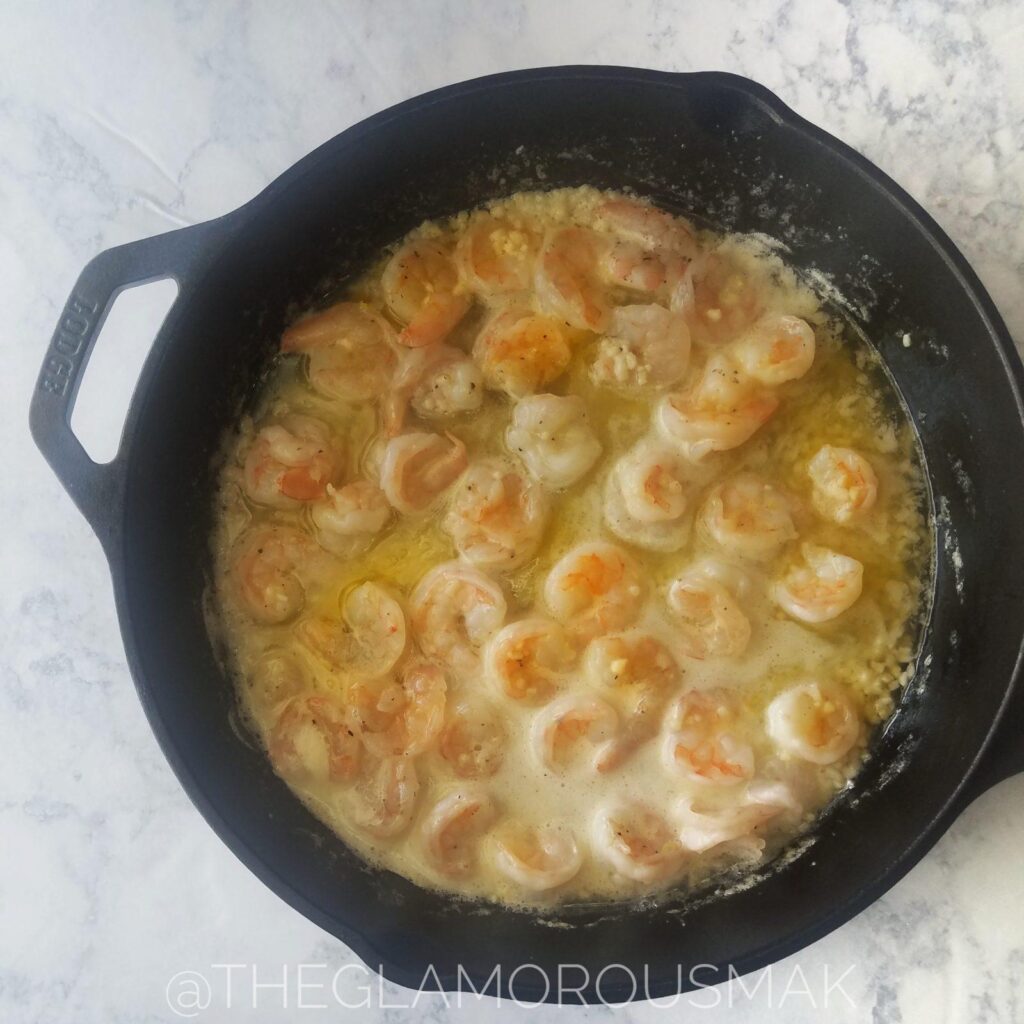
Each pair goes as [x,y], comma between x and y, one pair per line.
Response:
[704,144]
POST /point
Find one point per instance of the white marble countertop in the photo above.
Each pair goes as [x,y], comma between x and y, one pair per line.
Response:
[122,119]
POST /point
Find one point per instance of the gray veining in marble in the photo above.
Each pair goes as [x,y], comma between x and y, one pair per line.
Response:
[122,119]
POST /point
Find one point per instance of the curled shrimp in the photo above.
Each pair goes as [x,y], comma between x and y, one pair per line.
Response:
[594,588]
[646,498]
[276,676]
[651,250]
[636,671]
[350,351]
[748,517]
[718,760]
[439,382]
[401,717]
[450,384]
[703,827]
[701,742]
[629,265]
[776,349]
[709,620]
[537,857]
[813,721]
[567,719]
[421,287]
[553,436]
[566,281]
[530,659]
[646,346]
[347,519]
[496,257]
[269,565]
[520,352]
[289,462]
[384,799]
[418,468]
[845,486]
[721,298]
[315,737]
[656,230]
[637,841]
[721,411]
[821,589]
[631,659]
[455,609]
[369,639]
[454,824]
[473,739]
[497,516]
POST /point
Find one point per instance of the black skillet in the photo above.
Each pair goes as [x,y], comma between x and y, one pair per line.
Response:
[712,145]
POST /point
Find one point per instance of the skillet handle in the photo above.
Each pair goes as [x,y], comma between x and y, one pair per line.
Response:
[97,488]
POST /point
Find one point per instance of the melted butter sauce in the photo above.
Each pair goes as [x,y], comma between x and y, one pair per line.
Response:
[844,400]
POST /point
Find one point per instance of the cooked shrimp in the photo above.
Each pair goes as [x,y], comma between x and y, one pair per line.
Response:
[455,609]
[569,718]
[776,349]
[401,718]
[630,659]
[497,516]
[439,382]
[421,287]
[845,485]
[813,721]
[384,800]
[553,436]
[594,588]
[720,412]
[473,739]
[368,640]
[269,566]
[748,517]
[496,257]
[644,347]
[709,620]
[646,498]
[453,826]
[315,737]
[530,659]
[701,743]
[632,266]
[350,349]
[450,385]
[655,229]
[720,298]
[539,857]
[697,715]
[289,462]
[824,587]
[704,827]
[520,352]
[637,841]
[347,519]
[636,671]
[719,760]
[566,280]
[418,468]
[276,676]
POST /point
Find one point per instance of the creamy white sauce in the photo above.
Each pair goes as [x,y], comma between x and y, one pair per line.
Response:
[864,651]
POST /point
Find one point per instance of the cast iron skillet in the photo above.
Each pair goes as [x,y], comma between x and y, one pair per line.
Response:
[713,145]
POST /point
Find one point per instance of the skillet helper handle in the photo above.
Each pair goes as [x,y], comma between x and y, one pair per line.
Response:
[94,487]
[1005,755]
